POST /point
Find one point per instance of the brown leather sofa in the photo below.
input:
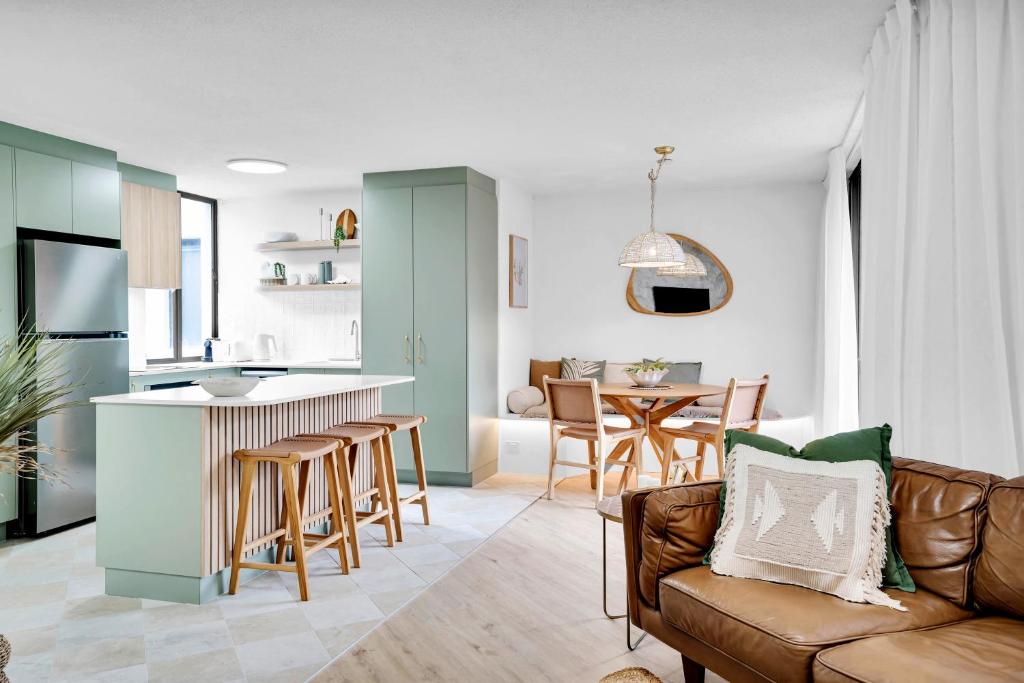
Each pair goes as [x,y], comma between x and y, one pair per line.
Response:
[961,534]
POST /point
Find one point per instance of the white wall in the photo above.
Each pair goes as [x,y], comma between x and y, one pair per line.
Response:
[308,325]
[767,236]
[515,325]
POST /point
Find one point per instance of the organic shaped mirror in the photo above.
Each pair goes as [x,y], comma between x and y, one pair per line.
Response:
[660,291]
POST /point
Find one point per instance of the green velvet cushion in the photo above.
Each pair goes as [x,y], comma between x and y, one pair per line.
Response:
[864,444]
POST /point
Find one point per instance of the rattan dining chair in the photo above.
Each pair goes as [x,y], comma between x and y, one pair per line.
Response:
[574,412]
[741,409]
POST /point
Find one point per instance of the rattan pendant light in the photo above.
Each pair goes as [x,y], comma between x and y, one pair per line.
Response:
[690,267]
[653,249]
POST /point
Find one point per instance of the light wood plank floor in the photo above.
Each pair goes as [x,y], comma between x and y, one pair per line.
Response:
[525,606]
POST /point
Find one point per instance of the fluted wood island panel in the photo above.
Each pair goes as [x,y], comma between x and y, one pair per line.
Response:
[227,429]
[167,484]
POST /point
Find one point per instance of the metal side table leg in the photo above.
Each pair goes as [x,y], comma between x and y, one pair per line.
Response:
[604,590]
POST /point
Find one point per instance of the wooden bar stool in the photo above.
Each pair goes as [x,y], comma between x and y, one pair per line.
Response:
[346,436]
[290,454]
[412,423]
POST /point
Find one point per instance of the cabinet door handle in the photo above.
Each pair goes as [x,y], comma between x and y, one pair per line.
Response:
[407,349]
[419,348]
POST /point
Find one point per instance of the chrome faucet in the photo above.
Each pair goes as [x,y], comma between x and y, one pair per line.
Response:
[354,331]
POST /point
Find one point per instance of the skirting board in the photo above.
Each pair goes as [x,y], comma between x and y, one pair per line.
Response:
[452,478]
[173,588]
[189,589]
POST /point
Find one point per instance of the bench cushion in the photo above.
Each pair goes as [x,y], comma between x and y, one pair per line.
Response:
[544,368]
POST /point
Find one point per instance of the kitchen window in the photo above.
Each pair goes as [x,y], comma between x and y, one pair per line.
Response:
[179,321]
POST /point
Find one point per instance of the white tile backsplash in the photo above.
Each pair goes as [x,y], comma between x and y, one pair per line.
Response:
[306,325]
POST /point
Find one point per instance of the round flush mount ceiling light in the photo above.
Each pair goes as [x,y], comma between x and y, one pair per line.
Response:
[257,166]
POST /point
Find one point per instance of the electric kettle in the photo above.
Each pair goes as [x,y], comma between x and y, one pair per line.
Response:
[264,347]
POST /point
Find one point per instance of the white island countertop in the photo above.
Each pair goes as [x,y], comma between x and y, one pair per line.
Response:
[270,391]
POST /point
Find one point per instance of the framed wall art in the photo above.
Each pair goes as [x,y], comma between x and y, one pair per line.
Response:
[518,272]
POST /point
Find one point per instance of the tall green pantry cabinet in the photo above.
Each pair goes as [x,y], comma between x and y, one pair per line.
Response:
[430,309]
[8,306]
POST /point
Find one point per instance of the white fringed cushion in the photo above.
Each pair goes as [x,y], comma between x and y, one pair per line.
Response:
[819,525]
[521,400]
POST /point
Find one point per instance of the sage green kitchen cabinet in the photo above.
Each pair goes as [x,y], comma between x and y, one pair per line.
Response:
[96,201]
[8,304]
[387,324]
[8,247]
[340,371]
[146,382]
[43,191]
[439,287]
[323,371]
[430,306]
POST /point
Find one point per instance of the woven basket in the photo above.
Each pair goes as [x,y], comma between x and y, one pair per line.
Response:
[5,656]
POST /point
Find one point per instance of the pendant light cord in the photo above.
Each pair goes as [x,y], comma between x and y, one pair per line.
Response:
[653,176]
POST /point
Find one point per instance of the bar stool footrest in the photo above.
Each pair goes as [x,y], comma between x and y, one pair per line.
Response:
[262,540]
[269,566]
[363,518]
[368,493]
[414,498]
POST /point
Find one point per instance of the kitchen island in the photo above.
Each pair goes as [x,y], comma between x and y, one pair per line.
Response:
[167,485]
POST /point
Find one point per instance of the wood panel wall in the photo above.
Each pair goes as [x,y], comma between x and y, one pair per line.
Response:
[225,430]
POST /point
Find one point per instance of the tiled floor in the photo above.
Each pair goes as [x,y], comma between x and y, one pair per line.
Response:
[64,628]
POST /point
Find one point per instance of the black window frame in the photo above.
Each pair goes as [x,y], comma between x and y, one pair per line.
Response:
[853,191]
[176,294]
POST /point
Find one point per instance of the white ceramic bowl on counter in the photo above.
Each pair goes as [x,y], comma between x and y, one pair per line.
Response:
[228,386]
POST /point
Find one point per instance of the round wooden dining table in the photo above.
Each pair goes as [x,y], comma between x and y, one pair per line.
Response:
[649,416]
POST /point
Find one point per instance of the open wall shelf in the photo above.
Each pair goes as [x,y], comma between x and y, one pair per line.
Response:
[309,288]
[312,245]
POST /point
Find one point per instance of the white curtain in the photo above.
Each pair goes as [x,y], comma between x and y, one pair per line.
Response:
[837,348]
[942,233]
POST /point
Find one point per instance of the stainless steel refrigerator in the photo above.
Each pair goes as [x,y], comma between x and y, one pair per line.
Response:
[76,295]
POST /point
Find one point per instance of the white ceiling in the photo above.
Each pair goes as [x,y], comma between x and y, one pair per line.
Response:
[556,95]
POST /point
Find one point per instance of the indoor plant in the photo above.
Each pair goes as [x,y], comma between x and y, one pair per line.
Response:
[33,385]
[648,373]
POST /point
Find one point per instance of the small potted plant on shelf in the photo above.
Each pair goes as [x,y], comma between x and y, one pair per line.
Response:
[648,373]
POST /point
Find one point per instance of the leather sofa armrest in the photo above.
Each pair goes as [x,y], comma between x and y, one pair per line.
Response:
[665,530]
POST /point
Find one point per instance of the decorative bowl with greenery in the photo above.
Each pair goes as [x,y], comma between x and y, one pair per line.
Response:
[33,385]
[648,373]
